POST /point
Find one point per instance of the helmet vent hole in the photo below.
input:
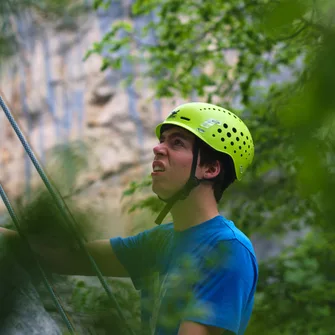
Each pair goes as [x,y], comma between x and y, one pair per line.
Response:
[241,134]
[234,151]
[225,147]
[213,135]
[185,118]
[244,142]
[234,130]
[240,147]
[229,134]
[232,143]
[247,137]
[237,139]
[241,155]
[249,146]
[225,125]
[219,130]
[222,139]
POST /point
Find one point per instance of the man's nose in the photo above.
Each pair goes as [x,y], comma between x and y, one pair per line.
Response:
[159,149]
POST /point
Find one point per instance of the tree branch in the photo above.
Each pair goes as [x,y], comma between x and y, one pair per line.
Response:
[295,34]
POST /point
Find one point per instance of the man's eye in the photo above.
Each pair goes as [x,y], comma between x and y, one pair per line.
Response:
[178,142]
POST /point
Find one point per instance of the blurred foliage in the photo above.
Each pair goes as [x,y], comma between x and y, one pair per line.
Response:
[42,223]
[150,202]
[272,62]
[65,162]
[296,292]
[40,218]
[92,300]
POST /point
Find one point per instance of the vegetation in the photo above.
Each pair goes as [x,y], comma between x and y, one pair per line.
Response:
[272,63]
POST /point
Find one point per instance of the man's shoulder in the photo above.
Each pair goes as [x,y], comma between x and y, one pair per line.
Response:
[159,234]
[232,235]
[165,228]
[236,248]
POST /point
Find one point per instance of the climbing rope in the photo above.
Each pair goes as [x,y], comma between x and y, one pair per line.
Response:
[66,213]
[39,267]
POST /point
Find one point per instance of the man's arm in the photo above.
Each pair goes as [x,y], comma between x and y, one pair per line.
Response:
[66,260]
[193,328]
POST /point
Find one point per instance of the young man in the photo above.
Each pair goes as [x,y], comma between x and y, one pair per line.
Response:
[206,267]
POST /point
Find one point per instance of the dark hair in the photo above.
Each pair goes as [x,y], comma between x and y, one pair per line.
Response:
[227,173]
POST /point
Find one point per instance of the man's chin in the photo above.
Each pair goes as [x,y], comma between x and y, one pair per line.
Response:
[162,194]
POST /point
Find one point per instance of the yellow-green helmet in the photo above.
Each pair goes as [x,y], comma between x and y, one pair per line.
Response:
[219,128]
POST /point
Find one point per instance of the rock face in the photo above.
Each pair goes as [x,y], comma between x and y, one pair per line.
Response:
[58,98]
[26,314]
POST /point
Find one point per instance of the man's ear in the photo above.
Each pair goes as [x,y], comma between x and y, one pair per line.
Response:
[212,170]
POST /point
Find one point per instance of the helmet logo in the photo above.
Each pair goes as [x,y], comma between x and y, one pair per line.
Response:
[173,114]
[209,123]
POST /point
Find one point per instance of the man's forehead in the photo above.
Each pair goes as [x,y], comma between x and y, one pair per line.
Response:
[174,130]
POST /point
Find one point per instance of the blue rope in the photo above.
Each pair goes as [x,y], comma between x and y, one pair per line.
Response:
[43,275]
[64,210]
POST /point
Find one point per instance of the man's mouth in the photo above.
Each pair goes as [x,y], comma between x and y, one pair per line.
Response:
[158,169]
[158,166]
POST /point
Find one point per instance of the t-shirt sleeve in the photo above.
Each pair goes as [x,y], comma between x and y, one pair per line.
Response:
[137,254]
[225,285]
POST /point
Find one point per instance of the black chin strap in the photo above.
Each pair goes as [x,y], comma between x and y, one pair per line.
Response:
[182,194]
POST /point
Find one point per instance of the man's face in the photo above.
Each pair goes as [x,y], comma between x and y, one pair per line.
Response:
[172,162]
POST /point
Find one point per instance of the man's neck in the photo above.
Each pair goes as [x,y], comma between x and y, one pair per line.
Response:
[196,209]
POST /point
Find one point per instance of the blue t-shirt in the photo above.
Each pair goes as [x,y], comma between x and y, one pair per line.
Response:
[207,274]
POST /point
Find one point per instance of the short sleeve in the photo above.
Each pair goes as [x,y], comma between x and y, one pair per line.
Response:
[138,254]
[225,288]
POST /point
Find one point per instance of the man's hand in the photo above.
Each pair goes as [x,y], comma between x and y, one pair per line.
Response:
[193,328]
